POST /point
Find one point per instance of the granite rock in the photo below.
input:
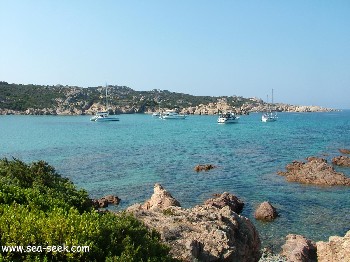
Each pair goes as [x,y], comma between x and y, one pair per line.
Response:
[337,249]
[299,249]
[341,161]
[265,212]
[206,232]
[315,171]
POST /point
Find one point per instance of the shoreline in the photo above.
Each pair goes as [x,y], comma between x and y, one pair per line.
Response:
[39,112]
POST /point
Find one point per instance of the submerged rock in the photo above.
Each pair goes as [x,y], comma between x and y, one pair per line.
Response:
[208,232]
[341,161]
[206,167]
[344,151]
[265,212]
[316,171]
[337,249]
[299,249]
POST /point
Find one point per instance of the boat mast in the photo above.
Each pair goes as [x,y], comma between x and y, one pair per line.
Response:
[272,97]
[273,106]
[106,98]
[267,103]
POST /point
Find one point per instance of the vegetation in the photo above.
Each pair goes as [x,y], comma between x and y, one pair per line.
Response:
[40,208]
[19,97]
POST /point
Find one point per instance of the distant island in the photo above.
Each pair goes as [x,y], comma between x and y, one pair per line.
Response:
[19,99]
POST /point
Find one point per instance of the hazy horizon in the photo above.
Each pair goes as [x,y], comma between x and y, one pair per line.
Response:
[301,49]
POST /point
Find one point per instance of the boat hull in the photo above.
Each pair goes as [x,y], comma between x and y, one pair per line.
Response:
[105,119]
[173,117]
[227,121]
[227,118]
[268,118]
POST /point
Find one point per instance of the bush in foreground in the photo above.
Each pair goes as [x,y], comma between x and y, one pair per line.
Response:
[40,208]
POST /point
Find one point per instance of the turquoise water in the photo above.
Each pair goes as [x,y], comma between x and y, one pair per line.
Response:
[126,158]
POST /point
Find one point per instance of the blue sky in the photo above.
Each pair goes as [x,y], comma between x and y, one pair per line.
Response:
[301,49]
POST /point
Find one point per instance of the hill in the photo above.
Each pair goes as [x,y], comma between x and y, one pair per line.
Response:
[73,100]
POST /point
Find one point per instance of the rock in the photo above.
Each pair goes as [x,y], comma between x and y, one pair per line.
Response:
[316,171]
[99,203]
[265,212]
[299,249]
[111,199]
[206,167]
[208,232]
[226,199]
[105,201]
[341,161]
[336,250]
[269,256]
[160,199]
[344,151]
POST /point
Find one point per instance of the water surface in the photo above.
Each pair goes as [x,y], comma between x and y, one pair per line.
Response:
[126,158]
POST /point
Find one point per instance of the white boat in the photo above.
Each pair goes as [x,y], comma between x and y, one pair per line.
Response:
[172,114]
[104,116]
[156,114]
[269,115]
[227,118]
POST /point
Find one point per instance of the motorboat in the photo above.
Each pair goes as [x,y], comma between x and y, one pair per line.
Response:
[172,114]
[103,117]
[227,118]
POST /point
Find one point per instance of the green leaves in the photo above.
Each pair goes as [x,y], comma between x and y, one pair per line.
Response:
[38,207]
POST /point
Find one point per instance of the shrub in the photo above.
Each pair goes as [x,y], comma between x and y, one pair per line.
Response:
[38,207]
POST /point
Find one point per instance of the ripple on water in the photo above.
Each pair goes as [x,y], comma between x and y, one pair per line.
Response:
[126,158]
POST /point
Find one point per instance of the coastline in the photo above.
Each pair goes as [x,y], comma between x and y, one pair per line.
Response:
[204,110]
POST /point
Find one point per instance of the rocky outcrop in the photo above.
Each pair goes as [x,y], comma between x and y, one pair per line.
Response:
[265,212]
[341,161]
[226,199]
[316,171]
[105,201]
[344,151]
[337,249]
[160,199]
[299,249]
[208,232]
[206,167]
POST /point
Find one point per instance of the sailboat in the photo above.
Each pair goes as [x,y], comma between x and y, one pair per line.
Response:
[269,115]
[103,116]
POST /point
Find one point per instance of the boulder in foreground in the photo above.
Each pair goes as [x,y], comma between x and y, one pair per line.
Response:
[337,249]
[299,249]
[207,232]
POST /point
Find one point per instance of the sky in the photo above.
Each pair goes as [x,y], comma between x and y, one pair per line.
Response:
[299,48]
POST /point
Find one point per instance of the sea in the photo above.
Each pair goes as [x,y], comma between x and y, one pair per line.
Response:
[126,158]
